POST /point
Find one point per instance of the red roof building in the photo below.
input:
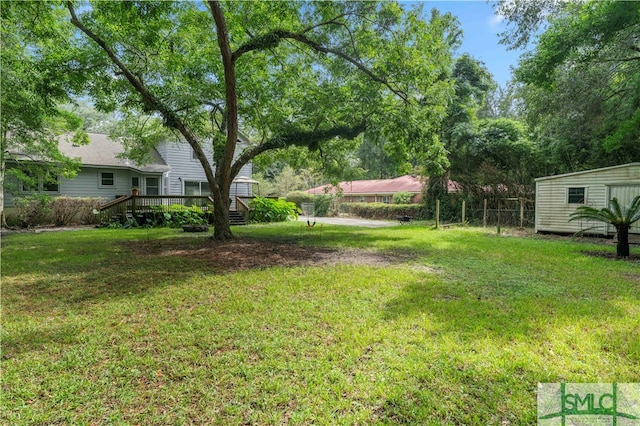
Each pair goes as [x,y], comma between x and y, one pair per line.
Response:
[377,190]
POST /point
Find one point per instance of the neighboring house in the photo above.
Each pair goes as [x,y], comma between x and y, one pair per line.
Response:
[377,190]
[557,197]
[173,169]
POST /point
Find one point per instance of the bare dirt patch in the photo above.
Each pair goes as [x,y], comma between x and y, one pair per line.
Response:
[242,254]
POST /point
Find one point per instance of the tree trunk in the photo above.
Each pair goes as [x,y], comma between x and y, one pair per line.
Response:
[3,220]
[622,249]
[221,226]
[224,176]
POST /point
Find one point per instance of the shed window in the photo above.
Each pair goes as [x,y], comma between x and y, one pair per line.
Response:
[575,196]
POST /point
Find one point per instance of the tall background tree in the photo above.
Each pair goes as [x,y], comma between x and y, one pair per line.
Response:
[581,84]
[34,80]
[311,75]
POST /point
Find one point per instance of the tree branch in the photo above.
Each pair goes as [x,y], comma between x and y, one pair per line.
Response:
[170,118]
[310,139]
[331,21]
[231,96]
[272,39]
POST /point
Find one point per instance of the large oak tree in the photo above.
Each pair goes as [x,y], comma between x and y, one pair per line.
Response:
[306,74]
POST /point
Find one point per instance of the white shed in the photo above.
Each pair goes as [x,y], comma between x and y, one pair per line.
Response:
[557,197]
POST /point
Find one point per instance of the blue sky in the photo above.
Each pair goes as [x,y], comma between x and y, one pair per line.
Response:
[480,39]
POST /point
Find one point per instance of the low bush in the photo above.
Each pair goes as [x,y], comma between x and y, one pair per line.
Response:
[177,215]
[64,209]
[88,205]
[322,204]
[299,197]
[33,210]
[271,210]
[382,210]
[402,197]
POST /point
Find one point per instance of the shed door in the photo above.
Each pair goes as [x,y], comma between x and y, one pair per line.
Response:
[625,194]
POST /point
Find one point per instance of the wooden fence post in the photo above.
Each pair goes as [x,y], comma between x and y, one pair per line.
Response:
[464,211]
[437,213]
[484,214]
[521,212]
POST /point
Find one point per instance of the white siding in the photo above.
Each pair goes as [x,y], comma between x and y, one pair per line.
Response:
[179,156]
[87,184]
[624,194]
[552,207]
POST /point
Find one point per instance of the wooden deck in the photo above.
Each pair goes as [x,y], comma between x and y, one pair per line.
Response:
[141,205]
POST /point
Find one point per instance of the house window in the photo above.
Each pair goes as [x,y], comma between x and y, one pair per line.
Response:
[153,186]
[196,188]
[51,183]
[30,183]
[575,195]
[48,182]
[135,182]
[107,179]
[194,156]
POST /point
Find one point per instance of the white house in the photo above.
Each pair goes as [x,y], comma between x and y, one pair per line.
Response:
[173,169]
[557,197]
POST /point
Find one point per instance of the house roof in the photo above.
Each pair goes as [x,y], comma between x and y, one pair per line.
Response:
[102,151]
[588,171]
[406,183]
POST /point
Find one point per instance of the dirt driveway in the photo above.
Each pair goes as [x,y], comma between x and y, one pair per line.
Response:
[367,223]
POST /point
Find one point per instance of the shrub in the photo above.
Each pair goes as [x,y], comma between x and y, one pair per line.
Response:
[271,210]
[33,209]
[13,220]
[299,197]
[177,215]
[88,205]
[382,210]
[322,204]
[64,209]
[402,197]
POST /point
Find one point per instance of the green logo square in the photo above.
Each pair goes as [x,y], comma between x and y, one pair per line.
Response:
[582,404]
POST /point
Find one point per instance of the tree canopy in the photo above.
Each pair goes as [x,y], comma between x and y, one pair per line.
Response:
[581,84]
[310,74]
[33,84]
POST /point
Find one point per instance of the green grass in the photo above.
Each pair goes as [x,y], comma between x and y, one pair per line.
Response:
[459,332]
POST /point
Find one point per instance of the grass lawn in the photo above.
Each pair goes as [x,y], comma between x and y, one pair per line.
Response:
[453,326]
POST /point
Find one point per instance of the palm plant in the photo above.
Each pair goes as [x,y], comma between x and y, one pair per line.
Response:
[620,218]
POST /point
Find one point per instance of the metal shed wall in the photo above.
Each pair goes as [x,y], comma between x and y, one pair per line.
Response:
[601,185]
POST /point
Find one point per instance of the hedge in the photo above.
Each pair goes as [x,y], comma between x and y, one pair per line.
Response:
[382,210]
[270,210]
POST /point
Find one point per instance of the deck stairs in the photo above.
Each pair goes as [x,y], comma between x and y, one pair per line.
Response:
[236,218]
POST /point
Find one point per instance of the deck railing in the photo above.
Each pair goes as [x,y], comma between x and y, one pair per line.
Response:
[140,204]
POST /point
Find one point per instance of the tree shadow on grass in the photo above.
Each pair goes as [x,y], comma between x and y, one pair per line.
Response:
[453,309]
[518,323]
